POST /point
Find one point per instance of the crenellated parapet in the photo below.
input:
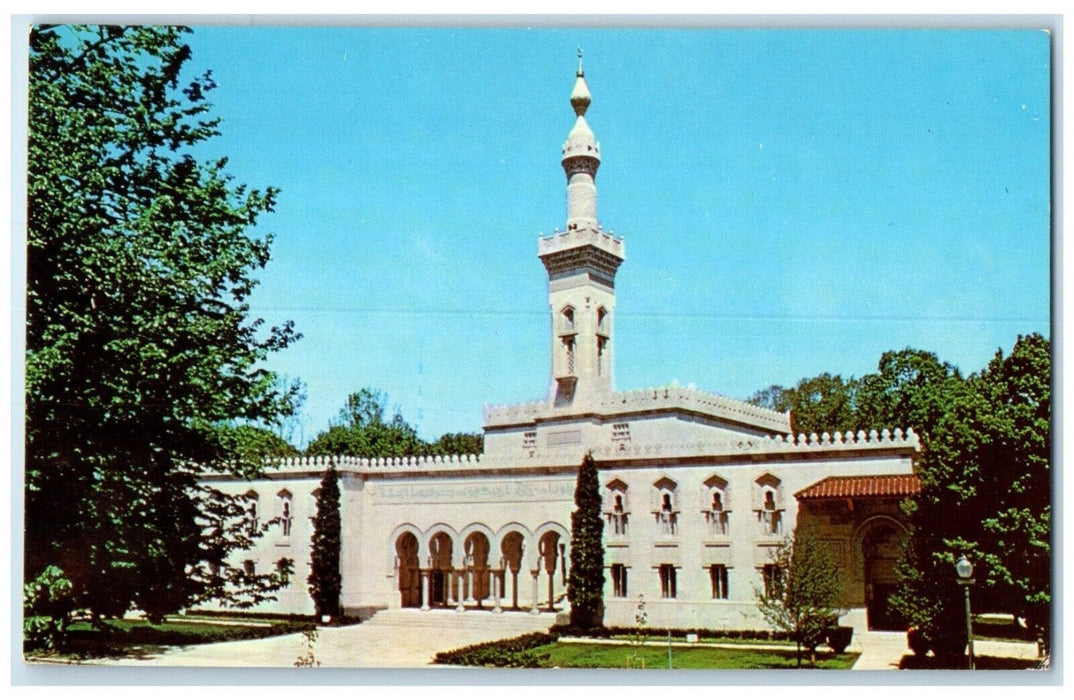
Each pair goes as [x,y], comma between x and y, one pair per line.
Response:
[768,445]
[671,397]
[568,458]
[319,463]
[597,238]
[693,399]
[514,413]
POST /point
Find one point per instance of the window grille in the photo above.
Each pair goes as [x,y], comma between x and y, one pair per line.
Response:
[718,575]
[619,580]
[667,581]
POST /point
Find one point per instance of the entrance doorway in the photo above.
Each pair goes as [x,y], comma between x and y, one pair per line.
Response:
[476,548]
[550,551]
[511,547]
[406,553]
[880,552]
[440,552]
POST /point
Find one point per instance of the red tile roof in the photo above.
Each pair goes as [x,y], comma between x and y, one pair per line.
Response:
[890,485]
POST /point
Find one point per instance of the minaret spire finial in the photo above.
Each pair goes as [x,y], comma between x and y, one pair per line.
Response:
[580,71]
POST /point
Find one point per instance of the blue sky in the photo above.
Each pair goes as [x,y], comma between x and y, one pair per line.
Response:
[793,201]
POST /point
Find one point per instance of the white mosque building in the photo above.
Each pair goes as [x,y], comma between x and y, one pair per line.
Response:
[698,489]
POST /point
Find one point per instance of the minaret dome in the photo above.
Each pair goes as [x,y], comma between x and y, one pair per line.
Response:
[581,158]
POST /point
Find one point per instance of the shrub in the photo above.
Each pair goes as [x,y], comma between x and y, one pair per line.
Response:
[506,653]
[838,638]
[915,640]
[662,633]
[47,603]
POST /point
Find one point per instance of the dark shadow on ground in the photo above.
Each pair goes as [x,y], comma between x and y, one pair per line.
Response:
[982,663]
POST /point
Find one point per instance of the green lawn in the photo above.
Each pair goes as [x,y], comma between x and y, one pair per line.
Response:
[608,656]
[138,638]
[709,640]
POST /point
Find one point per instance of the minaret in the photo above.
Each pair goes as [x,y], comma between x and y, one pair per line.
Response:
[581,263]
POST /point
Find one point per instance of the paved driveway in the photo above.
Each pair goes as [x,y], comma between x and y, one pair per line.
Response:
[410,639]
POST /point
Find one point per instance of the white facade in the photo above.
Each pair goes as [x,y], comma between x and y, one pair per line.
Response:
[698,488]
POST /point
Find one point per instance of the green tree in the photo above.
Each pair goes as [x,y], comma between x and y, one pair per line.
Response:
[362,430]
[457,444]
[800,596]
[911,389]
[986,493]
[325,580]
[585,584]
[140,349]
[252,444]
[817,404]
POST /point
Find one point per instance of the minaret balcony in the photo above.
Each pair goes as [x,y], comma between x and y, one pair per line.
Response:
[600,239]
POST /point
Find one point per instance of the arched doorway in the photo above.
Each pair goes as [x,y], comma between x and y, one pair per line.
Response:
[440,553]
[476,549]
[880,547]
[406,556]
[511,547]
[550,551]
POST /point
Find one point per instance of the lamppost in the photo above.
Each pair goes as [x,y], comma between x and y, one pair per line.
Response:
[965,571]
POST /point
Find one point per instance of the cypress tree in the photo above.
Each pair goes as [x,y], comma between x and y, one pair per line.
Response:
[325,580]
[585,587]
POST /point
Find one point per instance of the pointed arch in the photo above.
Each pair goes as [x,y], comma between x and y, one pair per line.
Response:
[768,504]
[253,511]
[285,511]
[716,505]
[441,528]
[477,527]
[505,530]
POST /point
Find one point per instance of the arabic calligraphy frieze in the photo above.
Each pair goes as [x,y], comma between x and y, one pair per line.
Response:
[520,490]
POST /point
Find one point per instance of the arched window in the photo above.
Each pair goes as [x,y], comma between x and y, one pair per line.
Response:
[565,330]
[715,506]
[768,504]
[566,316]
[616,507]
[666,509]
[252,512]
[603,337]
[284,511]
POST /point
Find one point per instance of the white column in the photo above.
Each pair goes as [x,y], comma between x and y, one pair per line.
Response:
[459,607]
[494,580]
[424,589]
[470,585]
[534,610]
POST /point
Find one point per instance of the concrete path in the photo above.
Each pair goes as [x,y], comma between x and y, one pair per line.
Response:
[411,638]
[391,639]
[883,651]
[880,651]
